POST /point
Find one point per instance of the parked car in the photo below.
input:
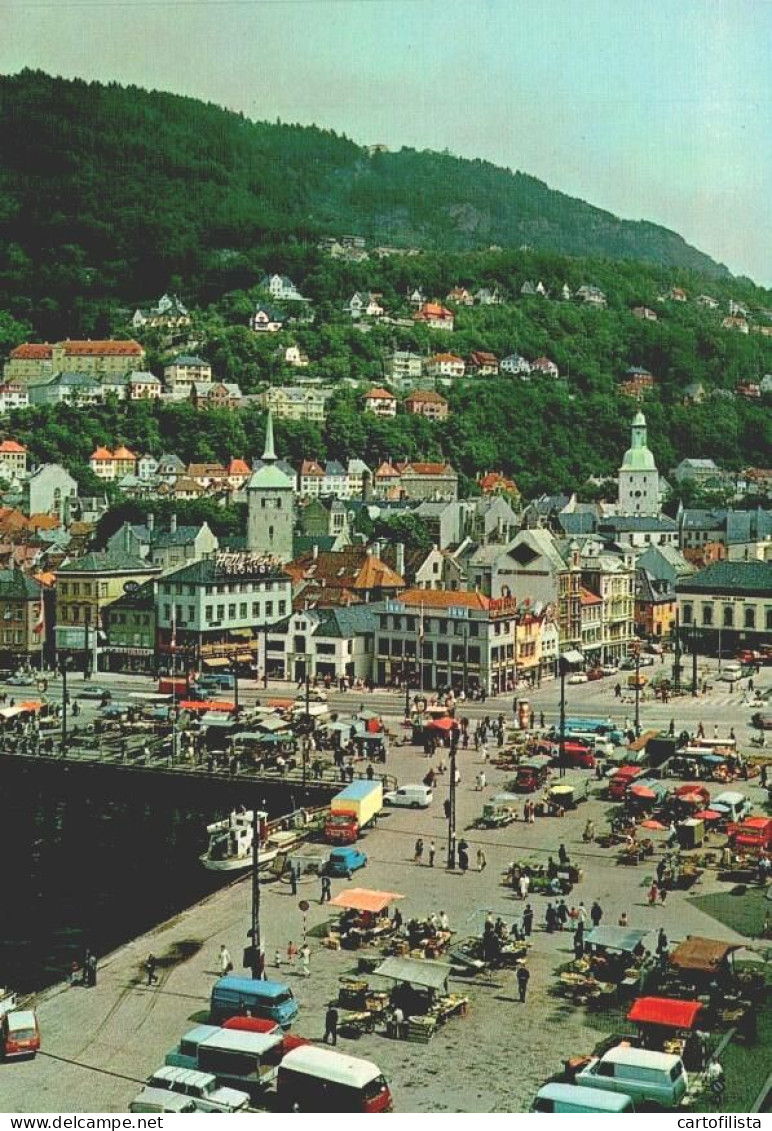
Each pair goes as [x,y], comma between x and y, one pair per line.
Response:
[595,673]
[19,1033]
[609,669]
[578,677]
[94,693]
[410,797]
[202,1087]
[762,721]
[345,861]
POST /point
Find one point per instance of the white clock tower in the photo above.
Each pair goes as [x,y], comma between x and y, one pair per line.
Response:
[271,499]
[638,475]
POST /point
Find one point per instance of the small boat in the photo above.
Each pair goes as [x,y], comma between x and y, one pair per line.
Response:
[231,839]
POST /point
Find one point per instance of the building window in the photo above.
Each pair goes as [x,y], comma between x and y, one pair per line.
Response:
[768,618]
[221,612]
[749,618]
[707,615]
[231,612]
[282,608]
[728,616]
[208,613]
[687,614]
[269,608]
[243,610]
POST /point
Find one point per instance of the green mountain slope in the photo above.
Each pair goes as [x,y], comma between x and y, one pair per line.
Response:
[109,192]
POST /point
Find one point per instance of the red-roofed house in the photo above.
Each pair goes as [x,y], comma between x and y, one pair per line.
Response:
[546,367]
[496,483]
[483,363]
[435,316]
[460,296]
[445,365]
[425,402]
[109,358]
[238,473]
[107,464]
[381,402]
[13,457]
[421,480]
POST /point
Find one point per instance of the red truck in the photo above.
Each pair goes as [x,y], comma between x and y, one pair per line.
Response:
[751,835]
[173,686]
[576,753]
[619,783]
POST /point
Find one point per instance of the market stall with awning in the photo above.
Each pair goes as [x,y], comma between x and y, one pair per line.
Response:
[622,940]
[665,1012]
[444,724]
[365,899]
[702,959]
[199,706]
[416,972]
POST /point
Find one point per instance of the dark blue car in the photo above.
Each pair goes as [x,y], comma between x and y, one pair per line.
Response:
[344,862]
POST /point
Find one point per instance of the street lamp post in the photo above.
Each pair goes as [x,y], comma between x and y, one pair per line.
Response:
[452,805]
[637,654]
[235,674]
[63,668]
[562,743]
[253,955]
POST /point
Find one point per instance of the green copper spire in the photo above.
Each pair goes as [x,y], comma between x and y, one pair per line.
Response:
[269,455]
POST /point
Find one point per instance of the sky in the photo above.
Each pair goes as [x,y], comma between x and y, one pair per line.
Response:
[656,110]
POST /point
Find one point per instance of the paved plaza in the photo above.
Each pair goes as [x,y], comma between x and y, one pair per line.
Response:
[99,1044]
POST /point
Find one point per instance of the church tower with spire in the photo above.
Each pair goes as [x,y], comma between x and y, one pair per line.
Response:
[271,501]
[638,475]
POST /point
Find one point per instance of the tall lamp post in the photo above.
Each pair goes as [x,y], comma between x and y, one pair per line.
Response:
[452,800]
[253,954]
[235,674]
[566,661]
[636,650]
[63,666]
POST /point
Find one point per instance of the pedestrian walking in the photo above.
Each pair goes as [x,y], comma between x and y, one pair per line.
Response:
[541,720]
[481,860]
[463,855]
[292,952]
[550,918]
[92,970]
[419,851]
[481,780]
[653,893]
[596,913]
[150,964]
[432,853]
[326,895]
[528,920]
[293,880]
[700,730]
[331,1025]
[446,808]
[524,883]
[563,855]
[305,960]
[225,960]
[523,977]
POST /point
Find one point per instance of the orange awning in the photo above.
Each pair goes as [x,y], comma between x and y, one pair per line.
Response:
[668,1012]
[30,705]
[208,705]
[363,899]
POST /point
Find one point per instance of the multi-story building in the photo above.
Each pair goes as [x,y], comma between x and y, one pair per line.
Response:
[655,606]
[612,579]
[381,403]
[223,395]
[168,314]
[425,402]
[271,505]
[84,588]
[185,371]
[435,316]
[13,458]
[302,402]
[461,639]
[22,619]
[638,475]
[51,490]
[401,365]
[13,396]
[70,388]
[445,365]
[113,465]
[323,643]
[726,606]
[130,631]
[33,362]
[211,612]
[143,386]
[281,288]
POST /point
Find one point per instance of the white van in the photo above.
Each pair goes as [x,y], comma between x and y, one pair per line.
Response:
[410,797]
[731,671]
[201,1087]
[732,806]
[569,1097]
[159,1101]
[644,1076]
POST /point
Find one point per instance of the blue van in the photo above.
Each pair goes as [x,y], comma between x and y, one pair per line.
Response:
[233,997]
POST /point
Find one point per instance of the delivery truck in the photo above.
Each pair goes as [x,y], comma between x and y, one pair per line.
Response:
[352,810]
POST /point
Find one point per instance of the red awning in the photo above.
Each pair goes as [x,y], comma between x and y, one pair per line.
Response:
[445,725]
[707,815]
[665,1011]
[642,792]
[656,826]
[208,705]
[365,899]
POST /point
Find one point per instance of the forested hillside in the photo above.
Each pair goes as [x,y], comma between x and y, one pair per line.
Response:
[108,194]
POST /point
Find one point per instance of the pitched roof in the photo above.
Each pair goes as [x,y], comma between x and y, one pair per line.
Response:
[108,561]
[587,597]
[380,395]
[730,577]
[16,584]
[128,348]
[33,351]
[425,396]
[238,467]
[101,453]
[445,599]
[11,446]
[353,568]
[425,468]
